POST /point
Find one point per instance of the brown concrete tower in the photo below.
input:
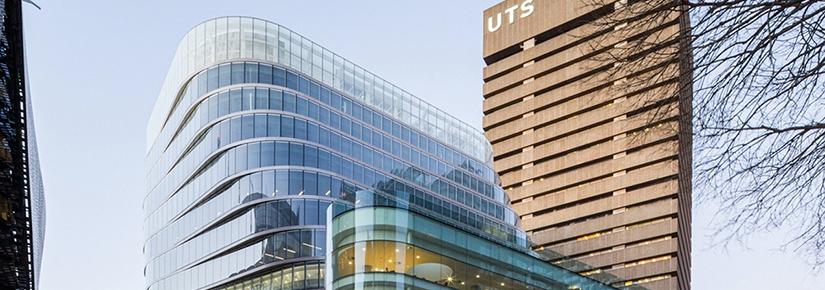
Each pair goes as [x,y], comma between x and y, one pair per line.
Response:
[592,141]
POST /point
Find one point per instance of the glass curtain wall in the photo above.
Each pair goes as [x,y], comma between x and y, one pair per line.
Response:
[258,135]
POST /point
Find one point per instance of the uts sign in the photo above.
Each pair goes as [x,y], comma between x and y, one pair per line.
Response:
[525,9]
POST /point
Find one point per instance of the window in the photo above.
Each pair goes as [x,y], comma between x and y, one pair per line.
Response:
[260,125]
[386,125]
[273,125]
[324,116]
[281,153]
[276,100]
[212,79]
[335,163]
[296,154]
[202,84]
[212,104]
[296,183]
[310,156]
[248,127]
[265,74]
[251,73]
[312,132]
[376,120]
[323,137]
[279,77]
[254,160]
[291,80]
[267,154]
[240,158]
[324,159]
[310,183]
[346,106]
[314,90]
[261,99]
[300,129]
[279,242]
[396,128]
[346,125]
[303,85]
[268,177]
[237,73]
[335,121]
[224,139]
[235,101]
[248,99]
[224,77]
[287,127]
[289,102]
[356,111]
[335,101]
[396,148]
[313,272]
[307,247]
[313,110]
[235,129]
[302,107]
[281,182]
[293,238]
[335,187]
[366,135]
[255,185]
[356,132]
[320,241]
[367,118]
[324,185]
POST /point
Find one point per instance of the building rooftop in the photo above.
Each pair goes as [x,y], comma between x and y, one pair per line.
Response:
[245,38]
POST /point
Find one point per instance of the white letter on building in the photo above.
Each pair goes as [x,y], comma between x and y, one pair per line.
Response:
[511,13]
[493,27]
[527,8]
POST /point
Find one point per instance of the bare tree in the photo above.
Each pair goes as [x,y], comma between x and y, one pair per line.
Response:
[755,72]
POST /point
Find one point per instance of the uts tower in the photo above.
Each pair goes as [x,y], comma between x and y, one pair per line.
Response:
[598,168]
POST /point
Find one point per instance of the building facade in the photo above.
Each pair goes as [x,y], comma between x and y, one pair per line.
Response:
[22,202]
[594,150]
[260,138]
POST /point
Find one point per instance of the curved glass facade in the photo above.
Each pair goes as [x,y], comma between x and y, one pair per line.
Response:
[252,150]
[261,137]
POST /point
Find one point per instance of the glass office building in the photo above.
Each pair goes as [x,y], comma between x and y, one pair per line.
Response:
[22,204]
[260,139]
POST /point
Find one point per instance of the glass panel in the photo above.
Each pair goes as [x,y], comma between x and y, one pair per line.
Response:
[273,125]
[287,127]
[296,154]
[296,183]
[237,73]
[247,127]
[324,185]
[281,154]
[281,182]
[261,99]
[311,157]
[267,154]
[260,125]
[312,214]
[276,100]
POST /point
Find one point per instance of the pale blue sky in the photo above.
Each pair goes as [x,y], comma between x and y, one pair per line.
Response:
[96,66]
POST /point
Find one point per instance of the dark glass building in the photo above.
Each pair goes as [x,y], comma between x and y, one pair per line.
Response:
[274,163]
[22,212]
